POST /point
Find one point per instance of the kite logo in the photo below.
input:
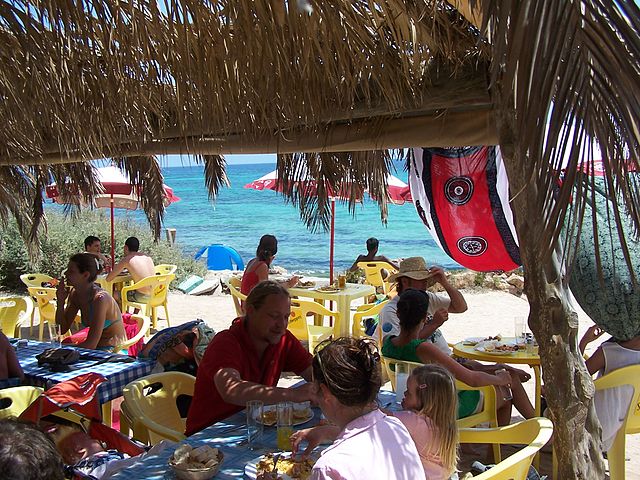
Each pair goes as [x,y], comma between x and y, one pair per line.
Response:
[458,190]
[472,246]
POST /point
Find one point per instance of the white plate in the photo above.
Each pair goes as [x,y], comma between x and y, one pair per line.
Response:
[251,468]
[296,421]
[472,340]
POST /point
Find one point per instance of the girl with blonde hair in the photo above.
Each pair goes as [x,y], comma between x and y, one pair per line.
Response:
[430,405]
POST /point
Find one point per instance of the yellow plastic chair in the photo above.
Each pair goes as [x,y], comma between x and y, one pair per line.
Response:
[45,298]
[152,409]
[15,400]
[534,433]
[13,311]
[365,311]
[623,376]
[165,269]
[144,323]
[34,280]
[238,297]
[373,274]
[299,322]
[158,296]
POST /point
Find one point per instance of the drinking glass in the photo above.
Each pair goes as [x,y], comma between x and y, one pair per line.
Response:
[55,335]
[255,424]
[519,326]
[285,425]
[402,374]
[342,281]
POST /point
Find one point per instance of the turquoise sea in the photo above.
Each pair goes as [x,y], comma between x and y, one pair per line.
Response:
[240,216]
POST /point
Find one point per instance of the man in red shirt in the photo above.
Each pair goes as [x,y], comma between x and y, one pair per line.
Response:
[244,362]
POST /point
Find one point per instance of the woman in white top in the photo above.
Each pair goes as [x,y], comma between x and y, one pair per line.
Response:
[611,404]
[369,444]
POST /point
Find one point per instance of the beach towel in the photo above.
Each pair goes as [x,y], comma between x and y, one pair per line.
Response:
[130,329]
[462,197]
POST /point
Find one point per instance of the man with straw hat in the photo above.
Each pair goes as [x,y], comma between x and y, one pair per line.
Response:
[414,273]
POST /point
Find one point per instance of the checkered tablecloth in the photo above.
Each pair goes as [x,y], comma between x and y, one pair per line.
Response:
[118,374]
[229,436]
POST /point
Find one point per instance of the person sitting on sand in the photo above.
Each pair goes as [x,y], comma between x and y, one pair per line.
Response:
[26,453]
[611,404]
[99,311]
[372,256]
[413,306]
[11,373]
[367,443]
[244,362]
[92,247]
[140,265]
[257,270]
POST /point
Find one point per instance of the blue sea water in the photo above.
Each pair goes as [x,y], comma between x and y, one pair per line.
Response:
[239,217]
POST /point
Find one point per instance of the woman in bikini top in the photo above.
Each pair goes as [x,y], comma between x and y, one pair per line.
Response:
[99,311]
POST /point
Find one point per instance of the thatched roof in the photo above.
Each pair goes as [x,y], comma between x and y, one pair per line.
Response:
[96,79]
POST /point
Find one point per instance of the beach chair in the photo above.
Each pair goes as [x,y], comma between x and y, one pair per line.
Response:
[365,311]
[165,269]
[158,298]
[13,311]
[15,400]
[152,406]
[35,280]
[45,299]
[373,274]
[299,322]
[238,297]
[623,376]
[533,433]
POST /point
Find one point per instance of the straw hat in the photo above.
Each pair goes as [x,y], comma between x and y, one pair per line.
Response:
[412,267]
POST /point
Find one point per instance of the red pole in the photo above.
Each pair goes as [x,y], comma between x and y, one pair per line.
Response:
[113,236]
[333,216]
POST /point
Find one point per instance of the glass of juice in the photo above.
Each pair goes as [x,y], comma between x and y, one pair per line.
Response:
[285,425]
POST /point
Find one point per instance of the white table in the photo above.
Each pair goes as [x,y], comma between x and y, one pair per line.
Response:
[343,299]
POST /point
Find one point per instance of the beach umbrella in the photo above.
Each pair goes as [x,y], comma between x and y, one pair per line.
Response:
[117,192]
[398,193]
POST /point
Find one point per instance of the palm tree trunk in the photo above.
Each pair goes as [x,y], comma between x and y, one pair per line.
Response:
[568,386]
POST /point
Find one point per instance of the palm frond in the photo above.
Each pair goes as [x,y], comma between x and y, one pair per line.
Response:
[570,71]
[215,174]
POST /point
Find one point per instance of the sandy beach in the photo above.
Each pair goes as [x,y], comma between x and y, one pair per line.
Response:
[489,313]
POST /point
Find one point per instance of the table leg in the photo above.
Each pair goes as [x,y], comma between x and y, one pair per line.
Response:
[106,413]
[344,307]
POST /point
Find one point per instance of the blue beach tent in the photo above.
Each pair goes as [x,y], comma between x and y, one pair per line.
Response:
[221,257]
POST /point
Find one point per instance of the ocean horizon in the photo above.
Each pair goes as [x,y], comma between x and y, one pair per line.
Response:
[239,217]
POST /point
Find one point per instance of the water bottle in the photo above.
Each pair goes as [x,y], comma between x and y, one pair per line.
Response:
[402,374]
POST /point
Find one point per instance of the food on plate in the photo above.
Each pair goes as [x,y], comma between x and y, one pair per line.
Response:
[201,458]
[493,346]
[306,284]
[287,465]
[328,288]
[498,337]
[301,414]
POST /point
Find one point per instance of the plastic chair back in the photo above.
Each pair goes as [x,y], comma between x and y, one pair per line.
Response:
[623,376]
[13,312]
[299,323]
[365,311]
[45,299]
[15,400]
[238,297]
[158,297]
[488,414]
[534,433]
[152,406]
[165,269]
[144,323]
[390,367]
[373,274]
[35,279]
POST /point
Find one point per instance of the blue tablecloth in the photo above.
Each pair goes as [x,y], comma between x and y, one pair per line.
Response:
[229,436]
[118,374]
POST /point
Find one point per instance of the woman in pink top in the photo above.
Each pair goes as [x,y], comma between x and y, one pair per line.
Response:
[365,440]
[257,270]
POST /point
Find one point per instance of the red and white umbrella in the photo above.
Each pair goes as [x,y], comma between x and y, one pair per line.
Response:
[398,191]
[117,192]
